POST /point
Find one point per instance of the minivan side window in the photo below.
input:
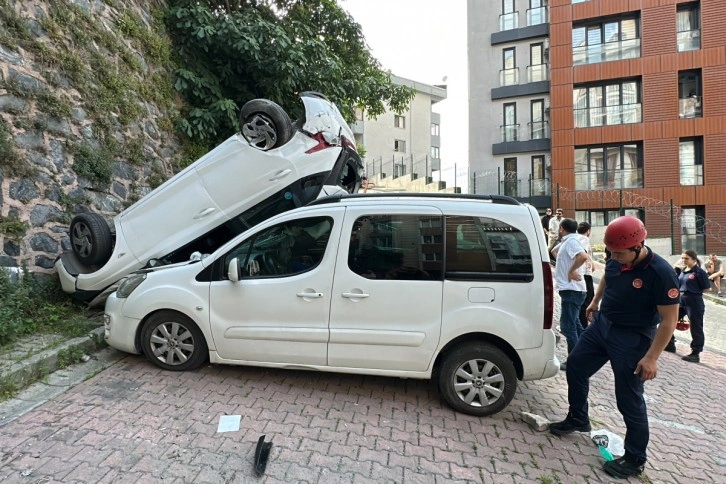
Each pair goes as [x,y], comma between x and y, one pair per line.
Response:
[285,249]
[397,247]
[484,248]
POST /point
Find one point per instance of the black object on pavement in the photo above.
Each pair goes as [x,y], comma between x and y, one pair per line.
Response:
[262,454]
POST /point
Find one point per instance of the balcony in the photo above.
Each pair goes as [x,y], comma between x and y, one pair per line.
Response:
[538,73]
[514,140]
[689,40]
[608,115]
[537,16]
[610,51]
[509,77]
[608,180]
[508,21]
[536,191]
[690,107]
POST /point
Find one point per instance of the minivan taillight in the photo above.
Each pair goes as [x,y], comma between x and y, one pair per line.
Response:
[549,303]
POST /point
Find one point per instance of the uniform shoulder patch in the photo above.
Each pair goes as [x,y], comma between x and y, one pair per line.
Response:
[673,293]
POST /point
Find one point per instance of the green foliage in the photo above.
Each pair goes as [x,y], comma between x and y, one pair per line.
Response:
[69,356]
[10,159]
[93,163]
[33,304]
[157,175]
[272,49]
[12,227]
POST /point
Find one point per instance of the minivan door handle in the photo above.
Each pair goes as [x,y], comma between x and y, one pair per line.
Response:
[355,295]
[204,213]
[281,174]
[310,294]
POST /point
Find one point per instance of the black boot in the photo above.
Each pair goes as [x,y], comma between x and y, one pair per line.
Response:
[693,357]
[671,346]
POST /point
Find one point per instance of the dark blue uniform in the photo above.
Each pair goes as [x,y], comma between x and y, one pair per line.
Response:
[622,332]
[692,283]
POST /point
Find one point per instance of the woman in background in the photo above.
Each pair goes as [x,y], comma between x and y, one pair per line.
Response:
[693,281]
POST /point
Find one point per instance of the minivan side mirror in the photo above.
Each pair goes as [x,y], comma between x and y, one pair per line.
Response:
[233,270]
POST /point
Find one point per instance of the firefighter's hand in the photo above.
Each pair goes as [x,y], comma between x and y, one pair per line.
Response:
[647,368]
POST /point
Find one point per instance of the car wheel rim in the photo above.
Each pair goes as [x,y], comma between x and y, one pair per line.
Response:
[479,383]
[260,132]
[172,343]
[82,240]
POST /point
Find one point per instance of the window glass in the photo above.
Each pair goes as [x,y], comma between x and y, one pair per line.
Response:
[285,249]
[398,247]
[628,29]
[485,248]
[612,32]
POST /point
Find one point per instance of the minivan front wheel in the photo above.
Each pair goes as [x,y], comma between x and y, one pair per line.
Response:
[265,125]
[478,379]
[172,341]
[91,239]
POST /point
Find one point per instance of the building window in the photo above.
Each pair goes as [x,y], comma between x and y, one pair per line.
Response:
[509,75]
[608,167]
[689,94]
[435,152]
[358,114]
[399,145]
[510,128]
[607,104]
[540,176]
[435,129]
[537,70]
[508,20]
[399,121]
[690,155]
[600,218]
[538,125]
[606,41]
[693,228]
[537,12]
[688,25]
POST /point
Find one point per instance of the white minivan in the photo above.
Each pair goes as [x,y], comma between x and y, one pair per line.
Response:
[452,287]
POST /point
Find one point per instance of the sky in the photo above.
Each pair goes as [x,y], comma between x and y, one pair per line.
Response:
[425,41]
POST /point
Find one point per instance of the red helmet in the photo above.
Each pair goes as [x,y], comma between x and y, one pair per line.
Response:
[624,233]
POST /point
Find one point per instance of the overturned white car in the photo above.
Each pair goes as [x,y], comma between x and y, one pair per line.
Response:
[270,167]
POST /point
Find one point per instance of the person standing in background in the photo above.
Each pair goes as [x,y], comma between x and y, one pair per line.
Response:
[546,221]
[554,230]
[714,269]
[583,234]
[692,282]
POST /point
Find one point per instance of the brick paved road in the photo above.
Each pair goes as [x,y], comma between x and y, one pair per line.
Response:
[134,423]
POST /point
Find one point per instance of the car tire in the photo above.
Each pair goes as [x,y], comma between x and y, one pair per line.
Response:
[481,391]
[91,239]
[172,341]
[265,125]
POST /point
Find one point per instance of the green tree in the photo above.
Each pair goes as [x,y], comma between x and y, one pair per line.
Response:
[235,51]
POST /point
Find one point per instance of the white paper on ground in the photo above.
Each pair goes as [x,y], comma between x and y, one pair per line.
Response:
[229,423]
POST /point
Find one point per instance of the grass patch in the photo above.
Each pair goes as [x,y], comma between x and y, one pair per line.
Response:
[93,163]
[12,227]
[35,304]
[10,158]
[69,356]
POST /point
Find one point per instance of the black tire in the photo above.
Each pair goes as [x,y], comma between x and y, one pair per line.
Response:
[91,239]
[172,341]
[490,387]
[265,125]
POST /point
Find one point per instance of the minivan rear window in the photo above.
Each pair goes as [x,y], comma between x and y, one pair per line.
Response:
[484,248]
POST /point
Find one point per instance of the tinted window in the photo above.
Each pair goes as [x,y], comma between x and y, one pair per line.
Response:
[486,248]
[399,247]
[285,249]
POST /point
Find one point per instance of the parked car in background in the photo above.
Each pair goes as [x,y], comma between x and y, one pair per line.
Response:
[271,166]
[453,287]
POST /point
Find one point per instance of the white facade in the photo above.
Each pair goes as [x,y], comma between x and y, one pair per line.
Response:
[406,143]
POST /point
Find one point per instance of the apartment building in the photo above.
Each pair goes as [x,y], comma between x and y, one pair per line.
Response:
[406,143]
[638,115]
[509,100]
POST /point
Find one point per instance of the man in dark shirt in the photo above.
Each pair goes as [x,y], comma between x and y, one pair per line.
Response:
[638,291]
[546,220]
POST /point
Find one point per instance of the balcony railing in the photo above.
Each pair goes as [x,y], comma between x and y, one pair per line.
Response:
[689,40]
[608,115]
[538,73]
[539,130]
[610,51]
[510,132]
[509,77]
[691,175]
[690,107]
[525,188]
[508,21]
[611,179]
[536,16]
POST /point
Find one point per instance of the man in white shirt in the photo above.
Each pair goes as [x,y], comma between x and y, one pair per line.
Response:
[554,229]
[570,282]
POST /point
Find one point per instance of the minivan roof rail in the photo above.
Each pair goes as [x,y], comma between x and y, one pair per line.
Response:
[503,199]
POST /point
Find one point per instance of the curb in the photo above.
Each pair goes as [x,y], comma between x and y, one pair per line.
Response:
[28,370]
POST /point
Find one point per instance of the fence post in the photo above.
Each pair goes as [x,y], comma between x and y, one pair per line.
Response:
[473,182]
[411,163]
[455,176]
[426,173]
[673,234]
[499,180]
[558,196]
[621,201]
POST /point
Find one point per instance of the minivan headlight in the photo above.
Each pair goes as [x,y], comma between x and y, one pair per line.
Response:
[129,284]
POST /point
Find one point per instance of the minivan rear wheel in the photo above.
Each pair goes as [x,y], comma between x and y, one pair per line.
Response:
[478,379]
[91,239]
[265,125]
[172,341]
